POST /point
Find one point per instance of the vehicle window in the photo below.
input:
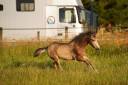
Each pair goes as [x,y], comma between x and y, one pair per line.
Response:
[1,7]
[81,14]
[25,5]
[67,15]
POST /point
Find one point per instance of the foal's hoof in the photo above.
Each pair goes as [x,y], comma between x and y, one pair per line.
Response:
[61,69]
[96,71]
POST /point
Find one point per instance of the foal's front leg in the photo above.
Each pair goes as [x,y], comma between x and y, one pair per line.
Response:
[88,62]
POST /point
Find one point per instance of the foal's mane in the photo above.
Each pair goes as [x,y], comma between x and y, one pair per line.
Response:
[81,37]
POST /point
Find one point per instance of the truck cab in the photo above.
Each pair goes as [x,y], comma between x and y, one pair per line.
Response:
[68,16]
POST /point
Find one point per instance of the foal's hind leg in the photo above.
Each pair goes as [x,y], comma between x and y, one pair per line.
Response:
[56,63]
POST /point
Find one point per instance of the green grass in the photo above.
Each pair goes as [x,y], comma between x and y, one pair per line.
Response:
[18,67]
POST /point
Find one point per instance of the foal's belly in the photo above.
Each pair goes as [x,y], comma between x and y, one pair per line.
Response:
[65,52]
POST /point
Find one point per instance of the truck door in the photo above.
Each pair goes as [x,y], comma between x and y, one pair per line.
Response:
[67,20]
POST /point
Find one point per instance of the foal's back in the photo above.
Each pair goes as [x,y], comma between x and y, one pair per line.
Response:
[61,50]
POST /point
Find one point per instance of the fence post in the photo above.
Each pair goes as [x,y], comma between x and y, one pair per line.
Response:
[1,34]
[38,35]
[66,33]
[1,43]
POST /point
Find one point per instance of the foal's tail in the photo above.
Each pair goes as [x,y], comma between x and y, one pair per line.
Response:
[39,51]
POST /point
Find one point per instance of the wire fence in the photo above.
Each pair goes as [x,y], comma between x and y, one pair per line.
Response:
[117,38]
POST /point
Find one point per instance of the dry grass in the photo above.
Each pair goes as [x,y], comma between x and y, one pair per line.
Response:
[18,67]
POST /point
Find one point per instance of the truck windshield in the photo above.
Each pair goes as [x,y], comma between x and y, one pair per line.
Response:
[81,14]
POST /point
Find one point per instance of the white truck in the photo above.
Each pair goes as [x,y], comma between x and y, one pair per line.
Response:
[40,19]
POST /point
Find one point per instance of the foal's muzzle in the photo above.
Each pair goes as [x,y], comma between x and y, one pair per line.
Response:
[95,44]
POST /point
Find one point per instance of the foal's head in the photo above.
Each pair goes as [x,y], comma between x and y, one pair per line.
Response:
[93,40]
[86,38]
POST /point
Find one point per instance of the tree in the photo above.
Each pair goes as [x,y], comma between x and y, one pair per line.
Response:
[115,11]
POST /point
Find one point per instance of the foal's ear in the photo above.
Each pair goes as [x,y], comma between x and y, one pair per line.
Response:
[91,34]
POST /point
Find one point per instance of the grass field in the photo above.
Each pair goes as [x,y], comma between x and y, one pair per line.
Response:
[18,67]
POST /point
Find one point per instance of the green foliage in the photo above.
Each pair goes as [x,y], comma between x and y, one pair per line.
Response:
[114,11]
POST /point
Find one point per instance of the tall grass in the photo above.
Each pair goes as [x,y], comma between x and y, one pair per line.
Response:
[18,67]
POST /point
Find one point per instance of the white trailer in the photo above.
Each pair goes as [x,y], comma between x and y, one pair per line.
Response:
[40,19]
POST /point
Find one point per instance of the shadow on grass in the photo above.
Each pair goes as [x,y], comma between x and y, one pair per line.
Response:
[40,65]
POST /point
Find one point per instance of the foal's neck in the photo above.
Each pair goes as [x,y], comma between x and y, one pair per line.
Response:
[82,43]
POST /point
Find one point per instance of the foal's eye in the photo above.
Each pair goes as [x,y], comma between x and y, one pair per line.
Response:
[93,39]
[94,35]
